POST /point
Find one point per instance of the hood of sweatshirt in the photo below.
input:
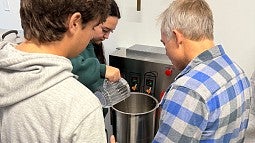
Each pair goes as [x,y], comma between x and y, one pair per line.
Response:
[24,75]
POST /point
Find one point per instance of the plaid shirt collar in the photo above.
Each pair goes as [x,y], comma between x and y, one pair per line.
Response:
[203,57]
[207,55]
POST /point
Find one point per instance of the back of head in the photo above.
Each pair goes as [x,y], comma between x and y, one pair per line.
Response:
[193,18]
[46,20]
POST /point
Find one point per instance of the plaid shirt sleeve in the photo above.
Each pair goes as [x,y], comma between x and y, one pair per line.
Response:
[184,116]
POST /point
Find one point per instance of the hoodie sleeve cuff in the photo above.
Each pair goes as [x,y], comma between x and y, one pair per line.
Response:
[102,70]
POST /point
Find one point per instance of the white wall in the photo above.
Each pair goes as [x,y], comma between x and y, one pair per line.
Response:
[9,14]
[234,26]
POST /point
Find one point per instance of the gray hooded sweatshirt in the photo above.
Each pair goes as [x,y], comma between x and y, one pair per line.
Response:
[42,102]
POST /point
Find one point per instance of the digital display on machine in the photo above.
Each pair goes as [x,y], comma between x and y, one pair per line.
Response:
[135,79]
[149,82]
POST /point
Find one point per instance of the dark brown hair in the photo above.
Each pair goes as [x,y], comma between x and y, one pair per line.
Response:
[45,20]
[98,48]
[114,9]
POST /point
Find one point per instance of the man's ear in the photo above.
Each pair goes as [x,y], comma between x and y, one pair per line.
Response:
[75,22]
[178,36]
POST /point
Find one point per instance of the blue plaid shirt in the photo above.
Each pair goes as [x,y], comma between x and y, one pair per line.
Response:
[208,102]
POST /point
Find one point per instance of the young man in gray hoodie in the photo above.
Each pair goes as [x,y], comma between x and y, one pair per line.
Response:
[40,99]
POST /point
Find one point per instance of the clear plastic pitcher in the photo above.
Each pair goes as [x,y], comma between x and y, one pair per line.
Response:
[112,93]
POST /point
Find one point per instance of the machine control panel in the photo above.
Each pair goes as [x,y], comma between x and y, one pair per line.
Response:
[135,82]
[147,69]
[150,82]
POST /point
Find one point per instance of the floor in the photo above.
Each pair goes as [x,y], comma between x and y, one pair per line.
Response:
[250,133]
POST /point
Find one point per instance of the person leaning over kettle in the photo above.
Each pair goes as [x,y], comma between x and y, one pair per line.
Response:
[90,65]
[41,101]
[209,101]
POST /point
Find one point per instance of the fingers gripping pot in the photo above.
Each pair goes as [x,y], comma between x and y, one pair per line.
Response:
[112,93]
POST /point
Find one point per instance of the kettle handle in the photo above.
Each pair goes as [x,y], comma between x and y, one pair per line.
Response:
[9,32]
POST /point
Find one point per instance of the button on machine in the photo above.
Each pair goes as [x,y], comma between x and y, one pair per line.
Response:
[168,72]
